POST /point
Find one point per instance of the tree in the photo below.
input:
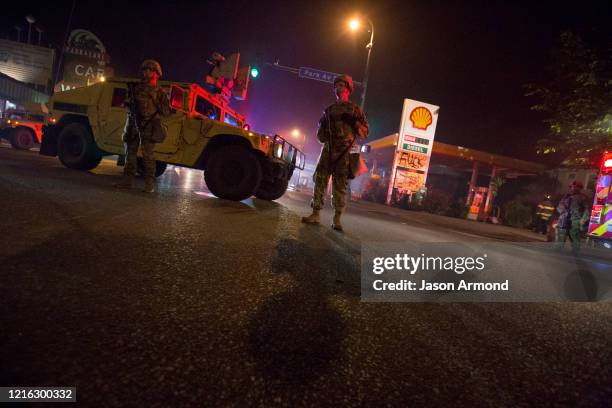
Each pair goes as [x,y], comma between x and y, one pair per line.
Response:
[577,100]
[495,184]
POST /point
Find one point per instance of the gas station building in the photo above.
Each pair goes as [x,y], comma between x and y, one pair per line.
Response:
[457,170]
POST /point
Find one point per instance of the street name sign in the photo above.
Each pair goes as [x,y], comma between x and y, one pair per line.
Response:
[317,74]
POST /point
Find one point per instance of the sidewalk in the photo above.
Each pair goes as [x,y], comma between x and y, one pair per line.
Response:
[421,218]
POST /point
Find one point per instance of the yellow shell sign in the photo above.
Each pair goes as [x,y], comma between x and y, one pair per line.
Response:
[421,118]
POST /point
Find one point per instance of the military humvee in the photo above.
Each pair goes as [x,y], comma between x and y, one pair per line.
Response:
[85,124]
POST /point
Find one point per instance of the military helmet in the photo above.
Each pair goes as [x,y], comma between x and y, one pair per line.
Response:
[346,79]
[152,65]
[217,56]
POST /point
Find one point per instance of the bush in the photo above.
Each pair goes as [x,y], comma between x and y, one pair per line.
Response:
[436,202]
[517,214]
[404,201]
[407,204]
[375,190]
[458,209]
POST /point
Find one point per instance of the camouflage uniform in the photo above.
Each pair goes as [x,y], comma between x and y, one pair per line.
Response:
[572,212]
[150,101]
[340,123]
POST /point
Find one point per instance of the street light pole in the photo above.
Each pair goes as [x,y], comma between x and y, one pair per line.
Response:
[367,68]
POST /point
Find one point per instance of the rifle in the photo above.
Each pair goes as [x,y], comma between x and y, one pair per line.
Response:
[132,108]
[132,104]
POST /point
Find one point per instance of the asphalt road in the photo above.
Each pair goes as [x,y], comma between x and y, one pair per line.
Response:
[182,299]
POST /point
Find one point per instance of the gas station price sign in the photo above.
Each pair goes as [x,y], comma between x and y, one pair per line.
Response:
[417,131]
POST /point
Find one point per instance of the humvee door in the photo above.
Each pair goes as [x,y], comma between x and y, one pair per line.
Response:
[112,118]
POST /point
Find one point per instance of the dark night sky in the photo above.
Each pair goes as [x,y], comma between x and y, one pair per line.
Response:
[471,58]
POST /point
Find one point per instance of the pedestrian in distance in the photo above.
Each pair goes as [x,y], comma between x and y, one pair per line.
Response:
[544,212]
[342,124]
[148,103]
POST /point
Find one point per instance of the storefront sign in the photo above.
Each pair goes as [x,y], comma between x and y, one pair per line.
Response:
[85,61]
[27,63]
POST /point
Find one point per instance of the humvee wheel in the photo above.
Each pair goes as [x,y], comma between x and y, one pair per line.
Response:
[272,190]
[77,149]
[22,138]
[160,167]
[233,173]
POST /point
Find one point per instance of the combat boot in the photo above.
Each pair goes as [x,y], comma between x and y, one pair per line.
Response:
[312,218]
[126,182]
[149,185]
[336,223]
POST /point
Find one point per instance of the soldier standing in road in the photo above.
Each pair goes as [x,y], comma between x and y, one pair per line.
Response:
[342,123]
[150,103]
[573,215]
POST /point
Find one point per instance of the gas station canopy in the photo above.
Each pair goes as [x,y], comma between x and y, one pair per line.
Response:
[462,158]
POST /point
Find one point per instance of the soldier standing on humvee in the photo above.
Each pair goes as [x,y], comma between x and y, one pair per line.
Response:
[342,123]
[149,103]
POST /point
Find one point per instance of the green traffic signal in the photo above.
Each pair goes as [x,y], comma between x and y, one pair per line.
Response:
[254,72]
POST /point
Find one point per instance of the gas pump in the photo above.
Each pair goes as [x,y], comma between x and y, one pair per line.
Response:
[600,224]
[477,205]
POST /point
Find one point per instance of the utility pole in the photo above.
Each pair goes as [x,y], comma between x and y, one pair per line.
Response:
[31,20]
[39,30]
[19,30]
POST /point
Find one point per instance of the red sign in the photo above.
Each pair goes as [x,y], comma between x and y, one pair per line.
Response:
[606,163]
[414,139]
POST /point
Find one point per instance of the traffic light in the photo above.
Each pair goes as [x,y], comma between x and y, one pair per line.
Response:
[254,72]
[241,83]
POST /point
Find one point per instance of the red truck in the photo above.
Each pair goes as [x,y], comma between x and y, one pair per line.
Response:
[22,128]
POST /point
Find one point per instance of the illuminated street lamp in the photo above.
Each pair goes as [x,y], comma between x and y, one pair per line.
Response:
[354,25]
[296,134]
[31,20]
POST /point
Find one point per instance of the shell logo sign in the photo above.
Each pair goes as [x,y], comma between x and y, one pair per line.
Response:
[421,118]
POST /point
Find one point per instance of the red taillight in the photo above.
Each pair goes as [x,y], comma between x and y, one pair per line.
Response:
[246,126]
[52,120]
[608,163]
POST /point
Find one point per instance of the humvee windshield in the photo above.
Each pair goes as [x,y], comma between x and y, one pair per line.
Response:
[203,107]
[231,120]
